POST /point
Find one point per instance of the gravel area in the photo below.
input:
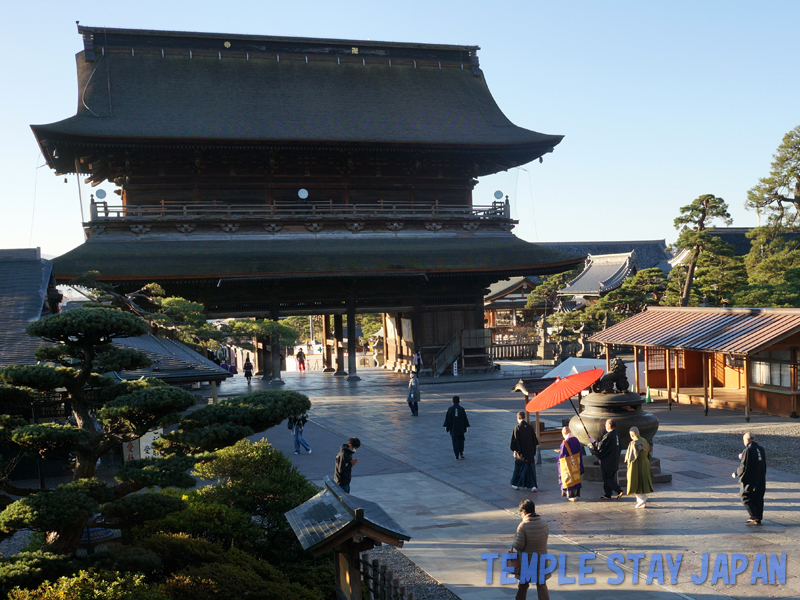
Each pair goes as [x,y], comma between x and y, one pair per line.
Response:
[780,445]
[410,575]
[14,544]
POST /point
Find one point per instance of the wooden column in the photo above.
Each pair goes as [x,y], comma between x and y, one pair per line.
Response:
[636,367]
[704,358]
[276,355]
[385,341]
[646,370]
[711,358]
[666,372]
[347,566]
[747,388]
[677,377]
[608,359]
[352,358]
[339,342]
[214,396]
[793,371]
[326,344]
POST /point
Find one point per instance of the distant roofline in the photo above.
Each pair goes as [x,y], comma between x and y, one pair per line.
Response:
[724,309]
[586,243]
[86,29]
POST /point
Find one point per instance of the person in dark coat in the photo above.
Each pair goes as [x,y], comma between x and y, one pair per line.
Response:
[523,444]
[248,369]
[752,474]
[345,463]
[456,424]
[607,450]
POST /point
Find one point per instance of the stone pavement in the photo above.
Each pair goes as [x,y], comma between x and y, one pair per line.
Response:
[457,510]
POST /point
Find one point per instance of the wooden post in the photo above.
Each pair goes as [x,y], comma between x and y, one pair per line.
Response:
[276,355]
[351,340]
[646,369]
[385,340]
[214,397]
[669,383]
[711,359]
[677,377]
[747,388]
[636,367]
[793,371]
[608,360]
[705,381]
[339,341]
[326,346]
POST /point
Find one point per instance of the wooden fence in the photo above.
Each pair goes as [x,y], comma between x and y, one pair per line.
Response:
[506,351]
[380,583]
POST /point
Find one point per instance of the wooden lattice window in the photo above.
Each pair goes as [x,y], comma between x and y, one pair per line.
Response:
[656,359]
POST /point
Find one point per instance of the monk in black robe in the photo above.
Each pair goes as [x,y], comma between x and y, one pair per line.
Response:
[608,451]
[456,424]
[523,444]
[752,474]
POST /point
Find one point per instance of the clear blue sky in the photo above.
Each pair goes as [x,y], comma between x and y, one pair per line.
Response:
[660,102]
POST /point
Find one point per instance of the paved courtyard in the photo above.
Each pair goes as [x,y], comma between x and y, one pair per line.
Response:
[457,510]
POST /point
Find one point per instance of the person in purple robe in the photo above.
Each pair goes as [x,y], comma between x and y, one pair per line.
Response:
[570,447]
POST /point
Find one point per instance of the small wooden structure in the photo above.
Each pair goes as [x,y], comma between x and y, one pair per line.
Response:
[746,357]
[335,520]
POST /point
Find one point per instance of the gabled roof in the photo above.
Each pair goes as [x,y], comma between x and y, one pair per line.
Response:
[503,293]
[170,87]
[26,278]
[173,362]
[730,330]
[334,516]
[737,237]
[165,257]
[649,253]
[602,274]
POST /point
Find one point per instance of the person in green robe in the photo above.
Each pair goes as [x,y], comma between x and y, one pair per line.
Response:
[640,477]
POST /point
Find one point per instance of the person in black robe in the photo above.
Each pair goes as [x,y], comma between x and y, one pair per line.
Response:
[752,474]
[523,443]
[608,451]
[456,424]
[345,462]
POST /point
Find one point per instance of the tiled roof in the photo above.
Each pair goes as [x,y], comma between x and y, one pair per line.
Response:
[23,299]
[334,513]
[159,86]
[649,253]
[737,237]
[731,330]
[602,274]
[159,258]
[173,362]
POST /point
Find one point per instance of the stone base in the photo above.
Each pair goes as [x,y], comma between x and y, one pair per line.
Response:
[592,471]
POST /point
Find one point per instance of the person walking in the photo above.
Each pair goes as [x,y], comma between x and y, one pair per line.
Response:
[531,538]
[640,476]
[752,474]
[345,462]
[523,445]
[607,450]
[248,369]
[297,424]
[416,362]
[456,424]
[413,395]
[570,463]
[301,360]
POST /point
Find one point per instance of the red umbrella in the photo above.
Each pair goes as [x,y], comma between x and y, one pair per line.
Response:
[562,389]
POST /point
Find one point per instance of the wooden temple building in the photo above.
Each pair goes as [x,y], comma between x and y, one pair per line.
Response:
[739,358]
[272,176]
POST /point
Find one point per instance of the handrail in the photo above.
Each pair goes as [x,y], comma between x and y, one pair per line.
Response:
[213,210]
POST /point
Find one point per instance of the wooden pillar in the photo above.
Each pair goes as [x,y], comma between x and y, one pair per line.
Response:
[339,342]
[747,379]
[352,358]
[793,371]
[705,382]
[276,355]
[646,369]
[677,376]
[608,360]
[385,340]
[327,349]
[669,383]
[214,396]
[347,567]
[636,367]
[711,359]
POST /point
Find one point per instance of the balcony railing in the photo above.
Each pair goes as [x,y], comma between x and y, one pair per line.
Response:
[212,211]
